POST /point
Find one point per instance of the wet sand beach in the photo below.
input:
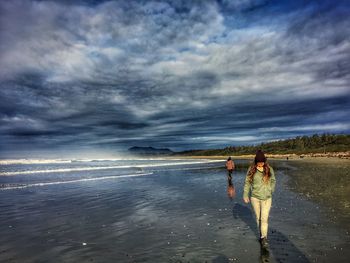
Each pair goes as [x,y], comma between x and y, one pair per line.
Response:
[324,181]
[170,215]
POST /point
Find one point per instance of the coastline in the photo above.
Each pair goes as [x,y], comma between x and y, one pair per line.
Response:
[282,157]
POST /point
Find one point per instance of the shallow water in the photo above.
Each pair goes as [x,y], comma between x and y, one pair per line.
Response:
[178,213]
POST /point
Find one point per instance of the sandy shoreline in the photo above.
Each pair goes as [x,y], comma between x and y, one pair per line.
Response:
[324,180]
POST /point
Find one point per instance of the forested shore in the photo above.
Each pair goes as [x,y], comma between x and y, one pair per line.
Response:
[325,145]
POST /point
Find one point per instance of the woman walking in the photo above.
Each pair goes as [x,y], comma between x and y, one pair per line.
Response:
[260,182]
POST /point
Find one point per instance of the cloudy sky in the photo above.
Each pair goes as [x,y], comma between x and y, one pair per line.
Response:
[100,76]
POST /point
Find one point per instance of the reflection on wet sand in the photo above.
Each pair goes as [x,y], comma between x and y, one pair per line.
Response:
[282,249]
[231,191]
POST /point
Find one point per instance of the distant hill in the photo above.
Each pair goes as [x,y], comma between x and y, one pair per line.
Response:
[149,151]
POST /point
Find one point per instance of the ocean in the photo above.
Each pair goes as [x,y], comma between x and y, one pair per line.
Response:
[24,173]
[153,210]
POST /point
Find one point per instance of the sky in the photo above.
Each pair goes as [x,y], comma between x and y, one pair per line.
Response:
[95,77]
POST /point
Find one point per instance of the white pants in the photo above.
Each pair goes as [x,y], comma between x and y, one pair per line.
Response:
[262,211]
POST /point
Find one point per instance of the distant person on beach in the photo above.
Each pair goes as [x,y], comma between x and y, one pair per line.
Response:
[230,166]
[260,182]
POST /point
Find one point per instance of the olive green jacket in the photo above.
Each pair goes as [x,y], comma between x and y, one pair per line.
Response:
[259,189]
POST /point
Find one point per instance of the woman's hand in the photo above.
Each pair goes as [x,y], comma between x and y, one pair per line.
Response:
[246,200]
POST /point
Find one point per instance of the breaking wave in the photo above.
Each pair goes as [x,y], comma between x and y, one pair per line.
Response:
[21,186]
[76,169]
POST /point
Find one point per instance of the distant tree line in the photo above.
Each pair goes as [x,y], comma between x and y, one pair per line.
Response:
[300,145]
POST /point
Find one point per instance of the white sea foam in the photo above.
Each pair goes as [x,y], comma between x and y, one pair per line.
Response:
[33,161]
[181,169]
[58,161]
[77,169]
[10,187]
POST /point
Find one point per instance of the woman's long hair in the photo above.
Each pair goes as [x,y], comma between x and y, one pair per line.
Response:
[266,172]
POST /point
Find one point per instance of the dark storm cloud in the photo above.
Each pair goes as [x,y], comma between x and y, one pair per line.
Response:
[178,74]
